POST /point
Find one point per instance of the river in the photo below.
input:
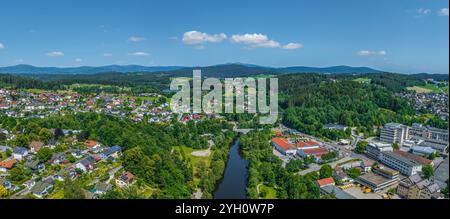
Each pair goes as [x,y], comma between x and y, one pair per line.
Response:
[234,182]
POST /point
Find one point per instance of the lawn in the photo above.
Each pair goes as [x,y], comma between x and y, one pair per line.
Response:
[429,88]
[362,80]
[194,160]
[269,192]
[56,195]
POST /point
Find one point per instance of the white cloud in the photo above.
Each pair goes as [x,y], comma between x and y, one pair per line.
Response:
[291,46]
[258,40]
[136,39]
[55,54]
[371,53]
[107,54]
[78,60]
[255,40]
[196,37]
[423,11]
[443,12]
[2,46]
[138,54]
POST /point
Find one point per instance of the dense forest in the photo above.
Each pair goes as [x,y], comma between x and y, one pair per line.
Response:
[311,100]
[8,80]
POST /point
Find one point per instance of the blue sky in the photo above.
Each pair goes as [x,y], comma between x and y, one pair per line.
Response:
[406,36]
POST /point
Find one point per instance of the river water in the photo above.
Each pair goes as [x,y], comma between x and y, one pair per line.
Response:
[234,182]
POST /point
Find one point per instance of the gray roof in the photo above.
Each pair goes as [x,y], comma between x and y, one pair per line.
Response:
[40,186]
[393,125]
[408,161]
[339,193]
[19,150]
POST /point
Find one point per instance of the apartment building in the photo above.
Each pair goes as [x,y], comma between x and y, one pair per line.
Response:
[394,133]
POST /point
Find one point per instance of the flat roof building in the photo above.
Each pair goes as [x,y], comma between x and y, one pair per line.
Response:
[374,149]
[398,162]
[376,182]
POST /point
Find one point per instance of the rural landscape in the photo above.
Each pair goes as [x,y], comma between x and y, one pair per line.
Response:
[86,108]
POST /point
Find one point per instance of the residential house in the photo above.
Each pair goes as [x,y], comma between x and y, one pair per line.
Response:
[112,152]
[5,183]
[125,179]
[52,144]
[77,153]
[7,165]
[102,188]
[36,146]
[29,184]
[60,175]
[20,153]
[4,148]
[41,188]
[58,158]
[325,182]
[340,174]
[91,144]
[86,165]
[34,165]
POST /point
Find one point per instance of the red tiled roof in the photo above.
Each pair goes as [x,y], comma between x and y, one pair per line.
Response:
[283,143]
[130,176]
[414,157]
[326,181]
[302,144]
[315,151]
[8,164]
[90,143]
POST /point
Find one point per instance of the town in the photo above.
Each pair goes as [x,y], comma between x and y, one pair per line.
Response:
[403,162]
[409,162]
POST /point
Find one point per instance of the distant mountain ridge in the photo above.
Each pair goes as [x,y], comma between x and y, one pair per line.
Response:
[228,69]
[29,69]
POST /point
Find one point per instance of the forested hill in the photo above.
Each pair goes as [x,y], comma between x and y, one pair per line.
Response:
[222,70]
[161,81]
[7,80]
[309,101]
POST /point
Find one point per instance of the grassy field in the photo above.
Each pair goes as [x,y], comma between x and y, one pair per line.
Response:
[194,160]
[269,192]
[57,195]
[362,80]
[429,88]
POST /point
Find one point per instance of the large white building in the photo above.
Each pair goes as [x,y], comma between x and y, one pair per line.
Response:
[404,165]
[374,149]
[394,133]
